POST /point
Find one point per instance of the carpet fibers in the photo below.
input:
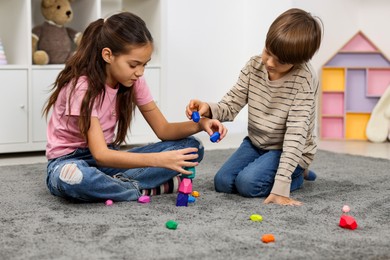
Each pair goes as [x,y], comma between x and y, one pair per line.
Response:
[37,225]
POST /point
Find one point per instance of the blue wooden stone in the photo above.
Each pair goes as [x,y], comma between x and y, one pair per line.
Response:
[191,199]
[195,116]
[214,137]
[182,200]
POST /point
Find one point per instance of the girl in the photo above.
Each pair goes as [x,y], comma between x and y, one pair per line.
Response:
[92,105]
[280,88]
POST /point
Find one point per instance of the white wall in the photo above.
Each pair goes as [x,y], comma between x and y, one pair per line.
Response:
[373,20]
[209,41]
[340,24]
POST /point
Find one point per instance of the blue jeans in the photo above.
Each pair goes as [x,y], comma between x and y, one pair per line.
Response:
[251,171]
[91,183]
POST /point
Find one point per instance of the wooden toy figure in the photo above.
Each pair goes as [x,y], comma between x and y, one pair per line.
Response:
[185,188]
[347,221]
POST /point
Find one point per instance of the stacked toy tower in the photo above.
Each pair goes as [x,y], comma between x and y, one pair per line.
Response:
[3,58]
[185,188]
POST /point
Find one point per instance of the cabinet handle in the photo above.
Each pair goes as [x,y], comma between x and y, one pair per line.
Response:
[22,106]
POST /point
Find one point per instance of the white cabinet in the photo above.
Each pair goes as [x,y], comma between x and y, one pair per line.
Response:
[13,106]
[25,87]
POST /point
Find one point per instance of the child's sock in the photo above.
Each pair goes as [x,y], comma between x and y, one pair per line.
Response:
[170,186]
[309,175]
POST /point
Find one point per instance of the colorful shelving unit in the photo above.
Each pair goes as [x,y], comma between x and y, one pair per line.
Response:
[353,80]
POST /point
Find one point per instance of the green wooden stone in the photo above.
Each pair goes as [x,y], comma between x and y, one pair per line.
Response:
[191,176]
[171,224]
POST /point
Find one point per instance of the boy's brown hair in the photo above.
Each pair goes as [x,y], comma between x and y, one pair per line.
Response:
[294,37]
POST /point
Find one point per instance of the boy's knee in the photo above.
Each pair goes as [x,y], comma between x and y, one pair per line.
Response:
[244,187]
[218,186]
[71,174]
[249,188]
[221,185]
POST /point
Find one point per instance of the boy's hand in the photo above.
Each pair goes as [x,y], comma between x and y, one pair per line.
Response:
[213,125]
[273,198]
[197,105]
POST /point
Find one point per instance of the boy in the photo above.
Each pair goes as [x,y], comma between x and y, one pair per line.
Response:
[280,88]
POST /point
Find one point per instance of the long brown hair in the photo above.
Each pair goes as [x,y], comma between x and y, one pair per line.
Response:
[119,33]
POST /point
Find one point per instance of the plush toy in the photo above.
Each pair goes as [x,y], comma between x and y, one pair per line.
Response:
[378,126]
[52,42]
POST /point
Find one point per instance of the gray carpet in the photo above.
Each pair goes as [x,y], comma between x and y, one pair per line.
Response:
[37,225]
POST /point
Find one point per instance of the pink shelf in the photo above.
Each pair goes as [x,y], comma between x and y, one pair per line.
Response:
[359,43]
[377,81]
[333,103]
[332,128]
[365,76]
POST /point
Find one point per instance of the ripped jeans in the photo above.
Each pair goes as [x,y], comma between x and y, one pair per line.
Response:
[78,178]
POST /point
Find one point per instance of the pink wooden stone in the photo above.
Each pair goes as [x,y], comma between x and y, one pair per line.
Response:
[185,186]
[109,202]
[144,199]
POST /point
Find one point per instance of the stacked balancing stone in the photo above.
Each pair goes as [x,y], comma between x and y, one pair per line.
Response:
[185,188]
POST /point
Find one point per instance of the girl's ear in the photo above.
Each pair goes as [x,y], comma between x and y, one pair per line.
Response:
[107,55]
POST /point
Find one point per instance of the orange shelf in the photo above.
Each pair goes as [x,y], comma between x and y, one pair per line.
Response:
[355,125]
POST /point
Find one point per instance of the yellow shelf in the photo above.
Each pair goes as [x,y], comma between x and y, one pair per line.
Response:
[355,125]
[333,79]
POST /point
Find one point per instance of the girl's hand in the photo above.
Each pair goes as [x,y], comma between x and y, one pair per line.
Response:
[197,105]
[273,198]
[177,159]
[213,125]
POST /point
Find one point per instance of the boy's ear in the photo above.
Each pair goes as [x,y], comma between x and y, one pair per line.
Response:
[107,54]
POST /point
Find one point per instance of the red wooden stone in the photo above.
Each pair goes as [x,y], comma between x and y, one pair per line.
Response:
[348,222]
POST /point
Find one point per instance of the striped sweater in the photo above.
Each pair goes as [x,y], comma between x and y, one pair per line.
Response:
[281,115]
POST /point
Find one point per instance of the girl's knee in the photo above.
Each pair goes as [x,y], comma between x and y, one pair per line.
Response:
[71,174]
[71,182]
[197,143]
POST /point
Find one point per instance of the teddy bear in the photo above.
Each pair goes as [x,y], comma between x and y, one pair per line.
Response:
[52,42]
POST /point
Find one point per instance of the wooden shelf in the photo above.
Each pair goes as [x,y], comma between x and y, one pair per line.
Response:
[353,80]
[333,79]
[29,84]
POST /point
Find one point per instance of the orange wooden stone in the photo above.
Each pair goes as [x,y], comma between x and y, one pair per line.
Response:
[195,193]
[268,238]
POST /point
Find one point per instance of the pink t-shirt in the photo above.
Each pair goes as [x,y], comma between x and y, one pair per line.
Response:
[63,135]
